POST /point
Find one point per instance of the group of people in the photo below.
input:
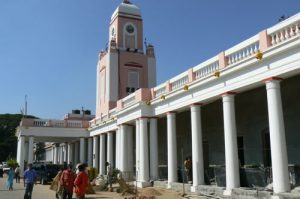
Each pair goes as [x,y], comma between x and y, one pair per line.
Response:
[12,173]
[69,181]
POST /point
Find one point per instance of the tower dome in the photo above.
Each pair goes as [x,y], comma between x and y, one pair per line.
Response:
[127,8]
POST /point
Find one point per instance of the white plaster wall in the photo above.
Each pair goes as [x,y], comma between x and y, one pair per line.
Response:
[112,77]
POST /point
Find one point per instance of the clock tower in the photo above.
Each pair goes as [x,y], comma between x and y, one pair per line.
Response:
[125,66]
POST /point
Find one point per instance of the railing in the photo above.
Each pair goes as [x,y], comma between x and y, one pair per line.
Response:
[179,80]
[160,90]
[285,30]
[54,123]
[243,50]
[128,100]
[207,68]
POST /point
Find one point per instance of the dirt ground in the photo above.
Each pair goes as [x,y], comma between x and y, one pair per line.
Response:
[146,193]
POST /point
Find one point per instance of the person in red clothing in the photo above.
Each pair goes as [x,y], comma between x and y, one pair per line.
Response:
[67,182]
[81,182]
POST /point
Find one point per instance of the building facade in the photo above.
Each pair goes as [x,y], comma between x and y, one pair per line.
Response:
[235,113]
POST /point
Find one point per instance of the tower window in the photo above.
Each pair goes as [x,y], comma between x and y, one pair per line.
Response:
[133,82]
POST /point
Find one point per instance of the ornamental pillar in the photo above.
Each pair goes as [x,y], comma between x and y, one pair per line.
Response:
[90,151]
[172,147]
[30,149]
[231,150]
[137,149]
[70,154]
[277,137]
[197,152]
[82,150]
[102,155]
[110,149]
[96,152]
[153,149]
[144,153]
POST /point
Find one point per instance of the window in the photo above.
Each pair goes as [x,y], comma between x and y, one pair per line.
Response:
[133,82]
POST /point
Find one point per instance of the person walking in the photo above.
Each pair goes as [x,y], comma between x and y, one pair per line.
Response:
[109,174]
[81,182]
[188,168]
[67,182]
[10,179]
[17,174]
[29,180]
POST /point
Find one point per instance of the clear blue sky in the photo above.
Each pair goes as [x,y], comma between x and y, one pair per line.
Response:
[49,48]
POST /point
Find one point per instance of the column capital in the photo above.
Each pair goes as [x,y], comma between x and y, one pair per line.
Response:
[272,79]
[196,104]
[229,93]
[171,112]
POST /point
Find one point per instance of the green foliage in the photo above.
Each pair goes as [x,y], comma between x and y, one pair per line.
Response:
[8,140]
[92,173]
[12,163]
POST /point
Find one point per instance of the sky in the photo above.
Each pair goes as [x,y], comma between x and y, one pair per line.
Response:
[49,48]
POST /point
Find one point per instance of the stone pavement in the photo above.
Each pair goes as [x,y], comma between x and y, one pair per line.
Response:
[39,192]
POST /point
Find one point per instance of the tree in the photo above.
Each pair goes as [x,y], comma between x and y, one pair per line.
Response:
[8,139]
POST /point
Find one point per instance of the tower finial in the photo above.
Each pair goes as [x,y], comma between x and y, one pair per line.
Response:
[126,1]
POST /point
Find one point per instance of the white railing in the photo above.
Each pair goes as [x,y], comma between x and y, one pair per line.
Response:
[128,100]
[57,123]
[159,90]
[74,124]
[38,122]
[243,50]
[285,30]
[207,67]
[179,80]
[205,71]
[112,112]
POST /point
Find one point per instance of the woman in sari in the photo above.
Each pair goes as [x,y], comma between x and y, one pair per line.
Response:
[10,179]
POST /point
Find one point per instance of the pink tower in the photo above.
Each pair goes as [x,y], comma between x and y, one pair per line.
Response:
[125,66]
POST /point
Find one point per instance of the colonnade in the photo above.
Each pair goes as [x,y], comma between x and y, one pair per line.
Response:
[100,148]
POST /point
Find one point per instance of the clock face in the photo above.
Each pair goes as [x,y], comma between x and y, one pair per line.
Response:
[129,28]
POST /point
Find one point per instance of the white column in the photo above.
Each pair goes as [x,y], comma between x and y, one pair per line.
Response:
[231,150]
[102,155]
[76,151]
[153,149]
[137,149]
[277,137]
[61,152]
[53,154]
[96,152]
[82,150]
[144,153]
[56,154]
[172,147]
[90,151]
[197,152]
[123,149]
[21,155]
[70,154]
[129,134]
[30,149]
[118,148]
[65,148]
[110,148]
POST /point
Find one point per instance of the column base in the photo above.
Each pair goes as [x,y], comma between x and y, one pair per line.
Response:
[144,184]
[227,192]
[194,189]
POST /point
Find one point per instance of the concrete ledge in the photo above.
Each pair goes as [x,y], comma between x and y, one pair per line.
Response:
[161,184]
[144,184]
[210,190]
[289,196]
[250,193]
[176,186]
